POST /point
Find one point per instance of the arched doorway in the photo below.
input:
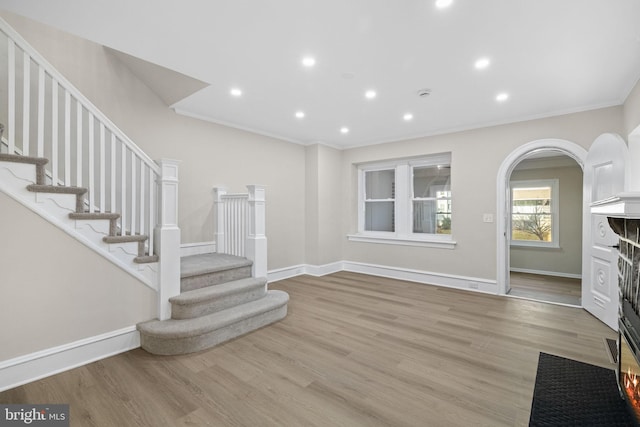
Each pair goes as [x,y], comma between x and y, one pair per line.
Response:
[505,171]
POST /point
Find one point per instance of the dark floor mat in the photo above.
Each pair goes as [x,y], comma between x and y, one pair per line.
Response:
[571,393]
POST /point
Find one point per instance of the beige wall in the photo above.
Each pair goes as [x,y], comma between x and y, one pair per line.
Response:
[567,258]
[632,110]
[476,157]
[55,290]
[211,154]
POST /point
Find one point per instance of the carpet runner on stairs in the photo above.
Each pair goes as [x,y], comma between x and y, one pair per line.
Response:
[219,301]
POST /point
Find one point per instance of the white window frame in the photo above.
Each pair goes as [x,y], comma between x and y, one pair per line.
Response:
[555,212]
[403,206]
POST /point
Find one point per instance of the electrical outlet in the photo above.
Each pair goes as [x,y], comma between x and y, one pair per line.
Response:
[473,285]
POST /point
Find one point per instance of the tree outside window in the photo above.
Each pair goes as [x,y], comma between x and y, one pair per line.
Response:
[534,212]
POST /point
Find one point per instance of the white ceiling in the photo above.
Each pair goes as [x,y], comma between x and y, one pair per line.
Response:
[551,56]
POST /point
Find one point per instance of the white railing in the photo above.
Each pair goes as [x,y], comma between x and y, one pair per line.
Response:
[240,226]
[46,116]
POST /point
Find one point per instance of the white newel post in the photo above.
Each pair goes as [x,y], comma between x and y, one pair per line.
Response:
[218,194]
[168,237]
[256,246]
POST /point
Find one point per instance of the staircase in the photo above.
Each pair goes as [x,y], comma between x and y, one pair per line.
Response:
[219,301]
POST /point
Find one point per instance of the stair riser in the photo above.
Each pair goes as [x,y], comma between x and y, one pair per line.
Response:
[211,279]
[191,311]
[169,347]
[24,174]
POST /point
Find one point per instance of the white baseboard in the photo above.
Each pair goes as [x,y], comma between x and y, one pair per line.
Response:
[546,273]
[188,249]
[425,277]
[41,364]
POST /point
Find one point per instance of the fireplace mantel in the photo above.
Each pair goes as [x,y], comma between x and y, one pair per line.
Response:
[623,205]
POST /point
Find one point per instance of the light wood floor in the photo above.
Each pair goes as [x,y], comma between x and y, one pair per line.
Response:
[546,288]
[355,350]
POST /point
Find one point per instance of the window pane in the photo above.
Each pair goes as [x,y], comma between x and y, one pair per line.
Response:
[380,184]
[379,216]
[531,214]
[431,181]
[432,216]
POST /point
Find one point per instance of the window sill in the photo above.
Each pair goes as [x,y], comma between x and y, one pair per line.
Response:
[403,241]
[533,244]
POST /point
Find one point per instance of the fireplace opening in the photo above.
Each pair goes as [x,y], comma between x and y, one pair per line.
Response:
[629,375]
[628,369]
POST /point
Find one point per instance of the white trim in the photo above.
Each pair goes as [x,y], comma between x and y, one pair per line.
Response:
[547,273]
[573,150]
[424,277]
[418,276]
[42,364]
[107,254]
[198,248]
[392,240]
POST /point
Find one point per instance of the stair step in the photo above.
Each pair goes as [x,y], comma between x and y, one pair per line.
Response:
[171,337]
[210,299]
[125,239]
[112,217]
[39,188]
[58,189]
[146,259]
[199,271]
[39,163]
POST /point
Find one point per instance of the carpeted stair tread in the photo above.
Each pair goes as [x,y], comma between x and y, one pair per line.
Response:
[218,291]
[146,259]
[37,188]
[210,299]
[197,265]
[185,328]
[94,215]
[23,159]
[125,238]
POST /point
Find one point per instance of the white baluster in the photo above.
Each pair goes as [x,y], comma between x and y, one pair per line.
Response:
[91,162]
[41,104]
[112,206]
[123,190]
[78,143]
[26,101]
[142,199]
[103,167]
[11,96]
[152,210]
[133,194]
[67,138]
[54,133]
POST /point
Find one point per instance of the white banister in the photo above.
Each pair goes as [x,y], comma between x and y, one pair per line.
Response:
[168,237]
[240,225]
[48,117]
[256,249]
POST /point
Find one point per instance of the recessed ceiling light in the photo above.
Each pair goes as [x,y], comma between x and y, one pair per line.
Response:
[482,63]
[441,4]
[308,61]
[235,92]
[370,94]
[408,117]
[501,97]
[300,114]
[344,129]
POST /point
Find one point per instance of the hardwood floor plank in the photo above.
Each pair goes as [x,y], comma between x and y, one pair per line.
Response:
[354,350]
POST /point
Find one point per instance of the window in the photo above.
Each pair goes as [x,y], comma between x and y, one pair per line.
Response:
[406,201]
[534,213]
